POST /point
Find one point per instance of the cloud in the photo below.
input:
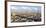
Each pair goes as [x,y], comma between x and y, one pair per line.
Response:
[24,9]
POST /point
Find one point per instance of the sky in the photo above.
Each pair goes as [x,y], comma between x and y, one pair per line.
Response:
[25,8]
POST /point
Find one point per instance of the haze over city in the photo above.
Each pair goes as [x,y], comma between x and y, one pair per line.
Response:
[25,9]
[25,13]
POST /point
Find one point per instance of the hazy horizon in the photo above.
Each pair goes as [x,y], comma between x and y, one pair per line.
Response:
[25,9]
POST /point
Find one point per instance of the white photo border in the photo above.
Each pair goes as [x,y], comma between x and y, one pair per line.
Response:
[27,23]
